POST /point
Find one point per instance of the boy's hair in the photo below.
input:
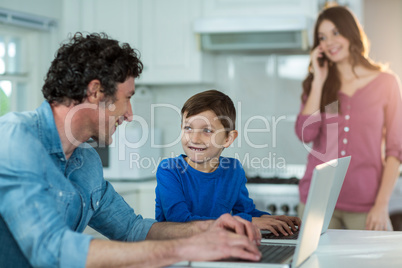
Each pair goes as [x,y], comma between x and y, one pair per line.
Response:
[85,58]
[215,101]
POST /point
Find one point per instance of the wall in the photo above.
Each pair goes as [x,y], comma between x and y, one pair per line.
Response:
[382,23]
[265,89]
[259,97]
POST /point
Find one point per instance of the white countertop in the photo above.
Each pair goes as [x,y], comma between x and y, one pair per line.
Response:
[354,249]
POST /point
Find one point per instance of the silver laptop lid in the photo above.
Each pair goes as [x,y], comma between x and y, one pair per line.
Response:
[317,204]
[312,222]
[340,173]
[337,182]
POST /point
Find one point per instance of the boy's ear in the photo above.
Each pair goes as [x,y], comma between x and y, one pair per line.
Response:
[230,138]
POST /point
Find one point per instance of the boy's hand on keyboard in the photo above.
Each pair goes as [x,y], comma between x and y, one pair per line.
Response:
[275,224]
[290,220]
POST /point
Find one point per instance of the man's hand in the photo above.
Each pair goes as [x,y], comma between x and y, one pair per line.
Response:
[226,237]
[218,243]
[275,223]
[239,226]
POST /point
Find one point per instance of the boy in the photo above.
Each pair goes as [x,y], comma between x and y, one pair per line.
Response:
[201,184]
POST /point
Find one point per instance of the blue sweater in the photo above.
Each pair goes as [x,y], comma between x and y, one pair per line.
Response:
[186,194]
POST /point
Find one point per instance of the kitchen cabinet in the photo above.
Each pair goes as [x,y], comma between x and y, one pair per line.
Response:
[161,30]
[170,51]
[140,195]
[309,8]
[219,8]
[119,19]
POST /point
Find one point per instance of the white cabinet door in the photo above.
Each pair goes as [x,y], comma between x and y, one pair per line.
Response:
[169,46]
[219,8]
[161,30]
[118,18]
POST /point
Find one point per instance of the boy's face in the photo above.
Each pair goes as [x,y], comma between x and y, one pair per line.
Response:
[203,139]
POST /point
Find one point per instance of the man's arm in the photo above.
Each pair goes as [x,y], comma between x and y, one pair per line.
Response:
[170,230]
[223,238]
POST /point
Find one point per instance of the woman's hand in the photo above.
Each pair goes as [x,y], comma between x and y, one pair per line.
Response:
[313,103]
[281,223]
[378,219]
[320,71]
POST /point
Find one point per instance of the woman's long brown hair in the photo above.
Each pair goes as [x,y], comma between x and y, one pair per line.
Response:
[349,27]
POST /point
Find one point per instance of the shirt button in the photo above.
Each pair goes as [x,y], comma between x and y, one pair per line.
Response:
[83,204]
[343,153]
[347,117]
[97,203]
[346,129]
[60,193]
[62,159]
[345,141]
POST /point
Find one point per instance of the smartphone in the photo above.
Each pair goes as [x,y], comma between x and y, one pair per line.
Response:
[322,59]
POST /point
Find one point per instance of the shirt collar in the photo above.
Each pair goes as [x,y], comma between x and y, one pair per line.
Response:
[50,136]
[47,129]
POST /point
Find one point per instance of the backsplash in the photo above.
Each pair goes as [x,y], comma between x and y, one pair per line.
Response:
[266,91]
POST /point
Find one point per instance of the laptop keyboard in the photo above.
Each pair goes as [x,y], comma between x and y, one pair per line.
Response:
[294,236]
[276,253]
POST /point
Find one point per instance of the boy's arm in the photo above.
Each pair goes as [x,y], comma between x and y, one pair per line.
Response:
[264,220]
[172,230]
[244,206]
[170,199]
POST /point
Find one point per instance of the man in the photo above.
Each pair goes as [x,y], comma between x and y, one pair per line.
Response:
[52,186]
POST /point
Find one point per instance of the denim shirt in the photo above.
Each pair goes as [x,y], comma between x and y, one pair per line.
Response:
[47,201]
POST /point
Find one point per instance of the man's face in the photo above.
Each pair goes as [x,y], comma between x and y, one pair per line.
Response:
[203,138]
[111,115]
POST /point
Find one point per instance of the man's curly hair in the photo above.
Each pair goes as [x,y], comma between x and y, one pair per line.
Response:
[85,58]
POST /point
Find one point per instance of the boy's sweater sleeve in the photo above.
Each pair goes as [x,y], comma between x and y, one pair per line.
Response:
[170,200]
[244,206]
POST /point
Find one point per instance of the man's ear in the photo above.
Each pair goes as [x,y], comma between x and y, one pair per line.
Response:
[94,94]
[230,138]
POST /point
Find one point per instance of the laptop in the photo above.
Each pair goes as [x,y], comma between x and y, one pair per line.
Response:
[340,167]
[310,231]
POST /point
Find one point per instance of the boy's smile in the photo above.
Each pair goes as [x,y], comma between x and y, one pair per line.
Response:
[203,139]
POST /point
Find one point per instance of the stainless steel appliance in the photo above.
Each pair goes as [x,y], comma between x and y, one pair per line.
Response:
[277,193]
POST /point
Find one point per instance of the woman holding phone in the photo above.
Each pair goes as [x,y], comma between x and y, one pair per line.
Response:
[351,106]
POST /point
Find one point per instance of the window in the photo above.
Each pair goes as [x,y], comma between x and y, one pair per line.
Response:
[13,76]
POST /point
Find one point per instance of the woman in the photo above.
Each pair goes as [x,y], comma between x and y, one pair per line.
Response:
[351,106]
